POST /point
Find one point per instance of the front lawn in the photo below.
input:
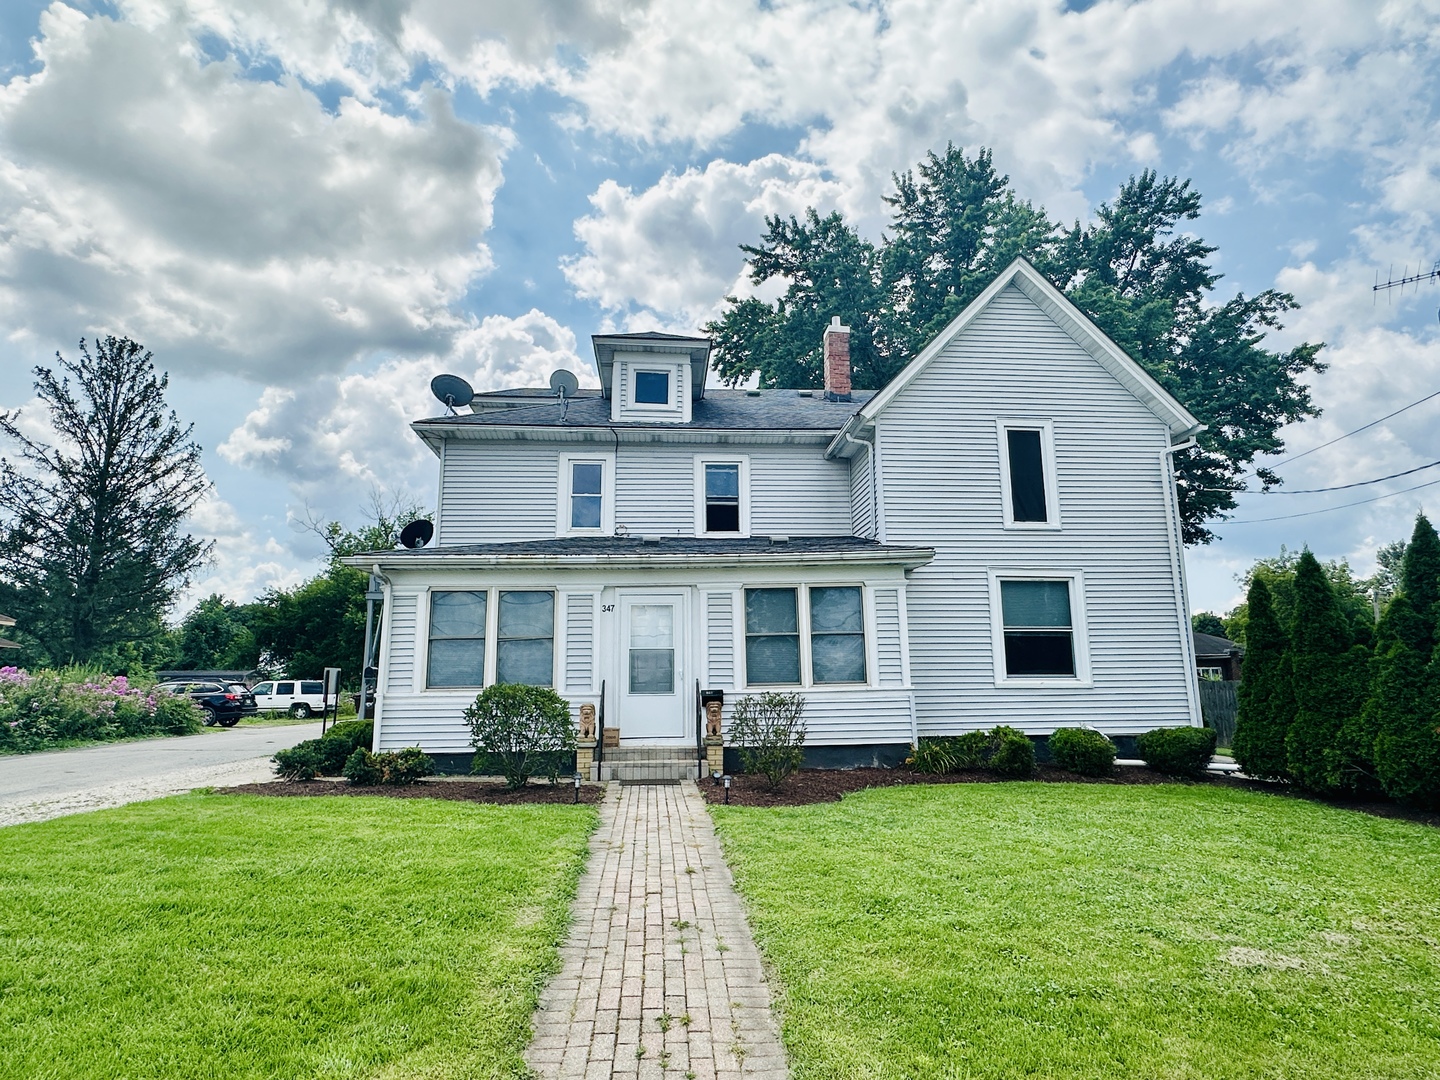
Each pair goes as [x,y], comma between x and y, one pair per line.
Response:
[1010,930]
[228,936]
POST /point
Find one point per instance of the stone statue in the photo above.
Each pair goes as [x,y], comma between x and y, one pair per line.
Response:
[587,722]
[712,718]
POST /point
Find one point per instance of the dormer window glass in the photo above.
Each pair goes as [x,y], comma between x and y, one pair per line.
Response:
[722,498]
[587,494]
[652,388]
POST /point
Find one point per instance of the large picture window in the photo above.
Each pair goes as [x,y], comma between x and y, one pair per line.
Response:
[1039,629]
[1027,470]
[837,634]
[525,641]
[772,637]
[457,639]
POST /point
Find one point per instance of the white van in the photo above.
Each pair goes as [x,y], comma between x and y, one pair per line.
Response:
[299,697]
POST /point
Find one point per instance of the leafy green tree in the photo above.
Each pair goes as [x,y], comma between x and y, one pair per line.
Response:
[1392,740]
[1331,680]
[1266,694]
[216,636]
[1207,622]
[92,544]
[1136,271]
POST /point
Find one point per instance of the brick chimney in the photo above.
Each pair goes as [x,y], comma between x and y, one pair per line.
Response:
[837,361]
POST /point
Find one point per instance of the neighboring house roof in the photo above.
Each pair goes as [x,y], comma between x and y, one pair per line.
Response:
[1210,645]
[1069,318]
[665,549]
[507,411]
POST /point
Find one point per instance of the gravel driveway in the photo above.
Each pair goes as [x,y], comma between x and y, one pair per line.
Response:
[34,787]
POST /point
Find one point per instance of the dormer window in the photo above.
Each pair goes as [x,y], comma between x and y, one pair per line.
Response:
[652,388]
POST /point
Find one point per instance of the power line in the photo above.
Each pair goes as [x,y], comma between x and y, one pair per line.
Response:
[1331,509]
[1340,487]
[1291,459]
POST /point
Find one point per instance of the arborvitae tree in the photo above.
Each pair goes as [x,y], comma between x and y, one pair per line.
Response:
[1328,686]
[1400,716]
[1420,577]
[1266,693]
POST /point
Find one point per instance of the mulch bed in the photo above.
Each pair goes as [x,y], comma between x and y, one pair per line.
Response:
[829,785]
[478,791]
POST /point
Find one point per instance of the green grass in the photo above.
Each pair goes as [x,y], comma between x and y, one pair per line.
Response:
[237,937]
[1016,930]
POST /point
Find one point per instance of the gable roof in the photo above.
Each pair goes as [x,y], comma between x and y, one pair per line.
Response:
[1214,645]
[1070,319]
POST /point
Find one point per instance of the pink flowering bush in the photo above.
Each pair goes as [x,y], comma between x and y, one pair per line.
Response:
[46,708]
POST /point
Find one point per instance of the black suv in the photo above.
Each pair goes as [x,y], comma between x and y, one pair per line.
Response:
[219,703]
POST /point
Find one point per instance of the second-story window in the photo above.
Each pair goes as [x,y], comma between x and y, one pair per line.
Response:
[652,388]
[722,498]
[1027,468]
[587,494]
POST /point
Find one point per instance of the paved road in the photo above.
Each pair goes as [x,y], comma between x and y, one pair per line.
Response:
[38,786]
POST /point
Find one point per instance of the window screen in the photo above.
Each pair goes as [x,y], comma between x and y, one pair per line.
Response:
[587,486]
[652,388]
[1027,475]
[772,637]
[722,498]
[837,635]
[457,638]
[1039,636]
[525,649]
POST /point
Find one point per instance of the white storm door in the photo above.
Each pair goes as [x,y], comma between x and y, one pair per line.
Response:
[652,667]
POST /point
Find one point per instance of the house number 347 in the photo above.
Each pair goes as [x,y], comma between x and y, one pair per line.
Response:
[607,607]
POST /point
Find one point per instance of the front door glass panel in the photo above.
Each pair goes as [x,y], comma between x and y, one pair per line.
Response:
[652,649]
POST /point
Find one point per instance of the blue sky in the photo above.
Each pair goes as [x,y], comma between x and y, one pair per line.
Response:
[308,210]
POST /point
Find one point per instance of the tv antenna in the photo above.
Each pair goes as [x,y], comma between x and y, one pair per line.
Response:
[451,390]
[1417,279]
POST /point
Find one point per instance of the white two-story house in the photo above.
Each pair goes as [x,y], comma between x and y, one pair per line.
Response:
[994,537]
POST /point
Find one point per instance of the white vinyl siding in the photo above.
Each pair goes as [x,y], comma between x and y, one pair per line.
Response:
[720,639]
[796,491]
[943,488]
[862,496]
[401,670]
[889,650]
[579,643]
[496,493]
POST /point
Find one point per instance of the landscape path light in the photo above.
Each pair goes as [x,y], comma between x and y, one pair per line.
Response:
[726,780]
[577,779]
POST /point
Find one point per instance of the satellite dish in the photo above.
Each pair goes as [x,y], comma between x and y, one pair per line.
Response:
[417,534]
[451,390]
[564,382]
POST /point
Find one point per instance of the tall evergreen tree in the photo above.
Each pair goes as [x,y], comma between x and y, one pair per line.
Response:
[1330,680]
[1266,693]
[1399,718]
[1420,577]
[92,545]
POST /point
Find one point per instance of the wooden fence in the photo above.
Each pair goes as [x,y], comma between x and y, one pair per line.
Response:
[1218,706]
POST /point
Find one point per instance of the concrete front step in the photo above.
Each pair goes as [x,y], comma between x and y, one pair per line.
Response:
[650,753]
[649,770]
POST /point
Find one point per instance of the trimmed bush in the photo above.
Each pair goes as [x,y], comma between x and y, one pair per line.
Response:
[520,731]
[769,729]
[302,761]
[398,768]
[1012,754]
[1182,751]
[1080,750]
[1266,694]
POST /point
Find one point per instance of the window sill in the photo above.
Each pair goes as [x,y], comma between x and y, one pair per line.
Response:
[1033,526]
[1046,682]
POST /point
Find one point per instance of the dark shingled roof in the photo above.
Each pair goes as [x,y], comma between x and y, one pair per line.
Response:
[665,545]
[1211,645]
[732,410]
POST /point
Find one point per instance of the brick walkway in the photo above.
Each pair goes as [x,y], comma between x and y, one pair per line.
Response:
[661,977]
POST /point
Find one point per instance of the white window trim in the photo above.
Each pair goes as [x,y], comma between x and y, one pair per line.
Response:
[672,380]
[701,460]
[802,621]
[1214,674]
[607,494]
[492,635]
[1079,627]
[1047,457]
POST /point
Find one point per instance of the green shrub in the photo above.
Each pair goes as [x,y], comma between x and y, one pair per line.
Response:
[950,753]
[1080,750]
[1012,754]
[769,729]
[341,741]
[397,768]
[520,730]
[299,762]
[1181,751]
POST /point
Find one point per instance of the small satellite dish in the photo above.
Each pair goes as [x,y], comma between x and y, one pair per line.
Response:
[417,534]
[451,390]
[564,382]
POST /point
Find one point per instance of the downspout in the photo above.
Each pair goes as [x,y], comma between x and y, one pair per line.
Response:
[1177,572]
[382,681]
